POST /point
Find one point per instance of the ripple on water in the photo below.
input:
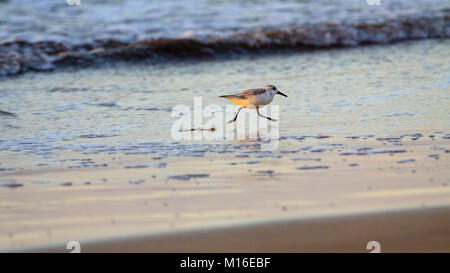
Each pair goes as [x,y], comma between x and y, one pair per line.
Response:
[136,167]
[267,172]
[136,182]
[189,176]
[10,183]
[269,156]
[318,167]
[435,156]
[388,151]
[410,160]
[319,150]
[245,163]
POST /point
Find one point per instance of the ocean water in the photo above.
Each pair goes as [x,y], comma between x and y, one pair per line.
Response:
[44,35]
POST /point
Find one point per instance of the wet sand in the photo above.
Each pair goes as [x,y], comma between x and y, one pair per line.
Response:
[51,215]
[407,230]
[365,133]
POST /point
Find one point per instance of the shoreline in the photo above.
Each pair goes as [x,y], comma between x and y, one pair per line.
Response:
[198,51]
[161,50]
[398,230]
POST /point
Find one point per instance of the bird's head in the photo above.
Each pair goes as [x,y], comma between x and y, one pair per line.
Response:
[274,90]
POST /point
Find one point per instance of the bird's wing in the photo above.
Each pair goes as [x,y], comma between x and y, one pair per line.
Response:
[246,94]
[251,92]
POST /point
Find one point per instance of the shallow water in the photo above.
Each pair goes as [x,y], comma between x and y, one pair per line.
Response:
[125,109]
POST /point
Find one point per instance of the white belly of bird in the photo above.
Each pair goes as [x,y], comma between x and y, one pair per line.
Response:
[262,99]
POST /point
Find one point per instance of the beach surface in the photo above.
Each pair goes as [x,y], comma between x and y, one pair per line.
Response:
[87,155]
[406,230]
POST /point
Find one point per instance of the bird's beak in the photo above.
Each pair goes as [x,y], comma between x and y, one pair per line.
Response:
[282,94]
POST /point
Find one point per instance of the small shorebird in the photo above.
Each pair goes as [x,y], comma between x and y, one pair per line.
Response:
[254,97]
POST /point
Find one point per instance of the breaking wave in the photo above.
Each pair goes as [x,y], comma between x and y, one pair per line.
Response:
[18,55]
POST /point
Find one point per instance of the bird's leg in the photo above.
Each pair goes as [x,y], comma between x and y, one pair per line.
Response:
[235,117]
[257,110]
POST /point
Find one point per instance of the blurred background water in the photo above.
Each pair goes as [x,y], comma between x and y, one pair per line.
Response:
[132,20]
[42,35]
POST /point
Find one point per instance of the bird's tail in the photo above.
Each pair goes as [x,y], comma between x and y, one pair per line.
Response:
[236,100]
